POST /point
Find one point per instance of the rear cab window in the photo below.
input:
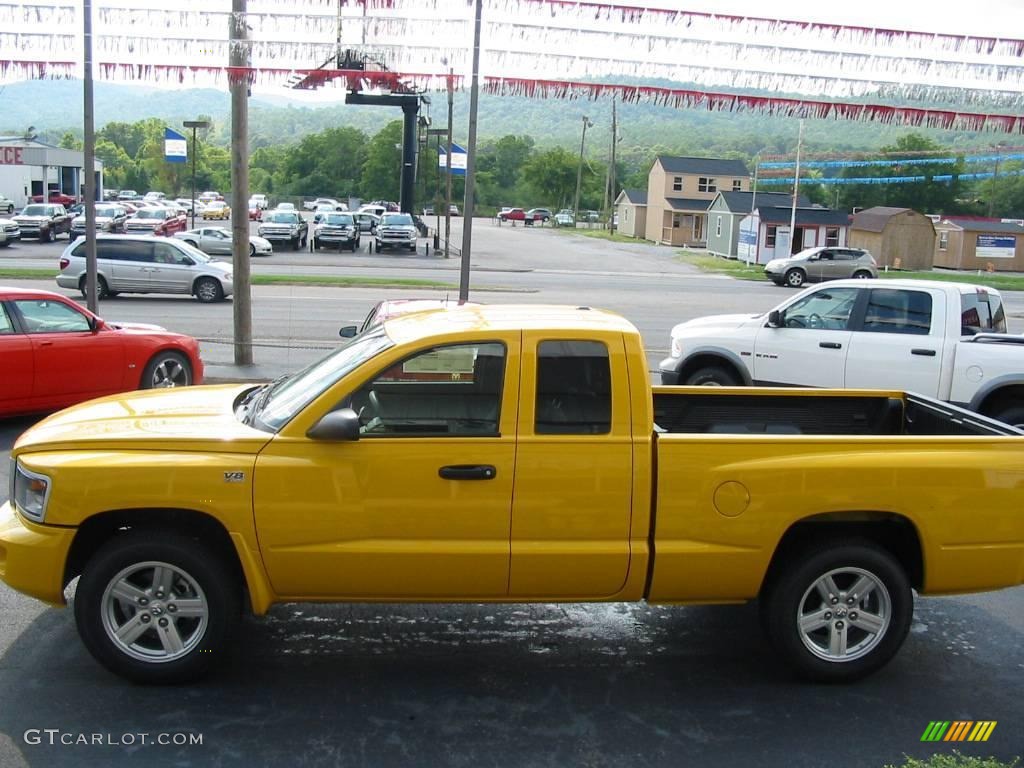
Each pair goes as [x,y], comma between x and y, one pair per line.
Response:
[981,312]
[893,310]
[574,388]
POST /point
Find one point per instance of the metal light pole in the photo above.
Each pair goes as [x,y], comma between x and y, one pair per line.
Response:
[90,165]
[470,203]
[579,169]
[194,125]
[448,165]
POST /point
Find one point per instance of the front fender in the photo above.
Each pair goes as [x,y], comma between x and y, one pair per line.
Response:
[674,365]
[990,387]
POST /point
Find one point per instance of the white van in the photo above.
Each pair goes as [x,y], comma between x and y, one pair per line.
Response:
[146,264]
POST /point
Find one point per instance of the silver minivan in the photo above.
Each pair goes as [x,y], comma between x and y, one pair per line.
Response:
[146,264]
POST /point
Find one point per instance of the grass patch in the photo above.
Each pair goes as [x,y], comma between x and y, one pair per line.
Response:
[351,282]
[737,268]
[599,234]
[15,273]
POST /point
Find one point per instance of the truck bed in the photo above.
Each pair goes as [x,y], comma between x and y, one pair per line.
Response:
[711,410]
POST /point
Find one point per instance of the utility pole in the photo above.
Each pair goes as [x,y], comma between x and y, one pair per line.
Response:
[194,124]
[242,301]
[613,183]
[468,206]
[579,170]
[755,225]
[796,190]
[89,145]
[448,166]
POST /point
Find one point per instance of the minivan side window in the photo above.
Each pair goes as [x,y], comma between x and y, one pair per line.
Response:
[124,250]
[574,388]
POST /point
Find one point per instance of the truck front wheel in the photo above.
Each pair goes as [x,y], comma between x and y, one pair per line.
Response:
[157,607]
[711,376]
[840,613]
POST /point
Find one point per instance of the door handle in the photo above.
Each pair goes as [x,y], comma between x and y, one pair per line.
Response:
[924,352]
[830,345]
[468,472]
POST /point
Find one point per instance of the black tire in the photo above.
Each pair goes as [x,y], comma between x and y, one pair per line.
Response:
[862,274]
[412,248]
[316,244]
[1011,413]
[793,596]
[208,290]
[252,250]
[102,291]
[197,573]
[711,376]
[166,369]
[10,208]
[295,243]
[795,278]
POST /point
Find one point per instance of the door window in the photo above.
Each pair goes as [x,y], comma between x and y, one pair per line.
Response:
[453,390]
[45,316]
[6,326]
[574,390]
[891,310]
[124,250]
[168,254]
[828,310]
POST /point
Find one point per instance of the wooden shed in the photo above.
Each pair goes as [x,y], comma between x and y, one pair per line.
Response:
[996,246]
[900,238]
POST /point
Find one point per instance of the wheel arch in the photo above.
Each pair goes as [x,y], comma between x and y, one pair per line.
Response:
[719,356]
[894,533]
[997,393]
[97,530]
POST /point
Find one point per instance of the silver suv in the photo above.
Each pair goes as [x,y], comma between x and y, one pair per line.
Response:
[822,263]
[146,264]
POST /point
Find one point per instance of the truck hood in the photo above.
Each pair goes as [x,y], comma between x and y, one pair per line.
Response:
[717,321]
[179,419]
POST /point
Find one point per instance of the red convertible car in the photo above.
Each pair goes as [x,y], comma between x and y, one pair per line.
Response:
[56,353]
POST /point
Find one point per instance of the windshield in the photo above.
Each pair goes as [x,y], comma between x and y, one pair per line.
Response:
[151,213]
[282,218]
[35,210]
[396,219]
[191,250]
[291,395]
[107,211]
[338,220]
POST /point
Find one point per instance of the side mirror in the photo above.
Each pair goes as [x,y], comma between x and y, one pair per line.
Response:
[337,426]
[348,331]
[775,319]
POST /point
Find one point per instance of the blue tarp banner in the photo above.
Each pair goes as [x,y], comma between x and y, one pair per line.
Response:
[458,159]
[175,147]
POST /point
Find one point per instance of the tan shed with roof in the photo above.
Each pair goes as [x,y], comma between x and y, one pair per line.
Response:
[899,238]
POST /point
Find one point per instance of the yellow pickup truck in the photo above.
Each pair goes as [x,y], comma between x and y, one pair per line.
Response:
[509,454]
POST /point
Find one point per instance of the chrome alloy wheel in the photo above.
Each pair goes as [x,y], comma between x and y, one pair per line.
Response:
[844,614]
[169,372]
[154,612]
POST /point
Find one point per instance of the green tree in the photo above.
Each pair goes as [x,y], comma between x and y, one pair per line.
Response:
[328,163]
[380,178]
[553,175]
[70,141]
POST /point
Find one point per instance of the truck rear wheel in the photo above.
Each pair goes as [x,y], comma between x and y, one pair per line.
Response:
[1011,413]
[157,607]
[839,612]
[711,376]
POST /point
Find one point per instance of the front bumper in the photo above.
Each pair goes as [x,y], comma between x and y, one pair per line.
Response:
[280,236]
[33,557]
[669,372]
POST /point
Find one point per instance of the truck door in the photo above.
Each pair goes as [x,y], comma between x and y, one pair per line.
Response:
[16,352]
[419,506]
[810,347]
[572,501]
[899,345]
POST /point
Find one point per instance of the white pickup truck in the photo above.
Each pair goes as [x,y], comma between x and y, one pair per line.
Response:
[944,340]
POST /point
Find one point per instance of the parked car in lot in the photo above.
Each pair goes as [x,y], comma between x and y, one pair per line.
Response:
[540,214]
[396,230]
[6,205]
[565,218]
[156,221]
[514,214]
[944,340]
[285,207]
[144,264]
[255,212]
[217,209]
[391,308]
[367,221]
[813,265]
[44,221]
[428,210]
[56,198]
[329,202]
[109,218]
[57,353]
[210,196]
[507,454]
[10,232]
[128,195]
[284,226]
[218,241]
[338,230]
[259,201]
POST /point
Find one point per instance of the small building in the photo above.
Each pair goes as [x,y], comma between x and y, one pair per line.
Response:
[679,191]
[29,167]
[900,238]
[631,208]
[728,209]
[972,244]
[765,234]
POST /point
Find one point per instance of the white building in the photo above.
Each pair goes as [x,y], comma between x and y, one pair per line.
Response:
[29,167]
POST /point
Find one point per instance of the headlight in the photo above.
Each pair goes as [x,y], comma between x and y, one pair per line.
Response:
[30,492]
[677,347]
[294,229]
